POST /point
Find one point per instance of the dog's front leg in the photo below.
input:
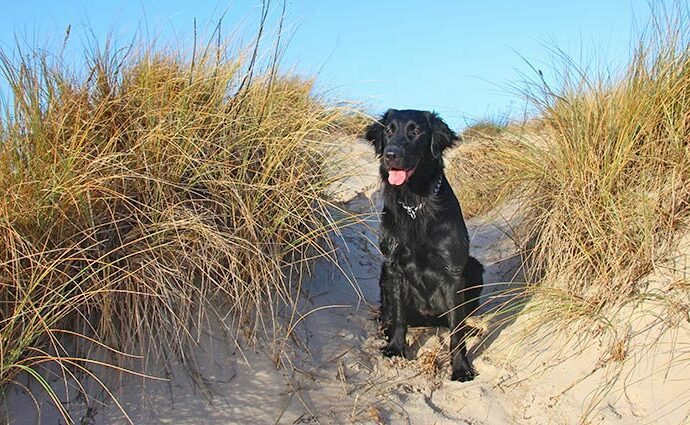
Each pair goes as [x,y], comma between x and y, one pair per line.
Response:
[462,370]
[397,329]
[385,310]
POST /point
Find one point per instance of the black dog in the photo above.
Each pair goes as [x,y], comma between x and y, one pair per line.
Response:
[427,268]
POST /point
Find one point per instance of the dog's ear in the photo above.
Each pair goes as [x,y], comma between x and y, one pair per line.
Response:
[374,132]
[442,136]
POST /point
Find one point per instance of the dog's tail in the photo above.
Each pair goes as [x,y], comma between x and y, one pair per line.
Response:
[473,282]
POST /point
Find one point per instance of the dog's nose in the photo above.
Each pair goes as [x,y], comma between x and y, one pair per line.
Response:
[392,154]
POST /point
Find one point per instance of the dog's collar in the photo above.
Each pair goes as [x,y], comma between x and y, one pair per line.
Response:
[437,188]
[412,210]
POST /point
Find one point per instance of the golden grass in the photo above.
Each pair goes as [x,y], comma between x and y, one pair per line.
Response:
[476,169]
[608,192]
[484,129]
[602,183]
[137,197]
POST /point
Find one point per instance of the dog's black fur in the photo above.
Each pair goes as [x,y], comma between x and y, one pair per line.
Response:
[427,266]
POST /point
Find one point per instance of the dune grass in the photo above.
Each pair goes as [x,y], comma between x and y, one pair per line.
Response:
[484,129]
[609,189]
[603,174]
[149,196]
[476,168]
[600,185]
[600,182]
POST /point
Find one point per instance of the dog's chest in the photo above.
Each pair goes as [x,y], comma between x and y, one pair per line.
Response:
[422,248]
[422,258]
[424,264]
[427,279]
[428,257]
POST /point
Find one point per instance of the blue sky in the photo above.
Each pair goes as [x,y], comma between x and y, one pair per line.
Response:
[459,58]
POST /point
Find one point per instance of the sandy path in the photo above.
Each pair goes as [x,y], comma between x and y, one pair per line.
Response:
[338,374]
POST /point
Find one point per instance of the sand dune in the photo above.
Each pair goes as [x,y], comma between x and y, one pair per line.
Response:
[335,374]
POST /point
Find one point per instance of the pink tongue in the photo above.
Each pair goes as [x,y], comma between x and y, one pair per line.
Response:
[397,177]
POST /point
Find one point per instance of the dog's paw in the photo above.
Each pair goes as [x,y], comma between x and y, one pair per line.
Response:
[393,350]
[463,374]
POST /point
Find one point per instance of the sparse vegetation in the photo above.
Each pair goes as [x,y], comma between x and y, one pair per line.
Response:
[484,129]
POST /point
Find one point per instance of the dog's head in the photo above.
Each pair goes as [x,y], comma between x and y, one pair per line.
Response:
[409,142]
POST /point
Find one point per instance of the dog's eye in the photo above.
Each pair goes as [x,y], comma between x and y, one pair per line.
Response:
[389,131]
[416,132]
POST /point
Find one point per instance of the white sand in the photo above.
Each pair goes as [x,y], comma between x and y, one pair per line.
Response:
[337,375]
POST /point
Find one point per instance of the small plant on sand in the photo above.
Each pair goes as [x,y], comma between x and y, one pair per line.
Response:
[484,129]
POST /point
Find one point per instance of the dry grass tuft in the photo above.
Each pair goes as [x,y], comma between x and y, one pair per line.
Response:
[139,195]
[603,184]
[484,129]
[478,169]
[604,181]
[610,188]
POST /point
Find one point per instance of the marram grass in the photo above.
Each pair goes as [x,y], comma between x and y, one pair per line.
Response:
[138,196]
[600,185]
[602,174]
[609,190]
